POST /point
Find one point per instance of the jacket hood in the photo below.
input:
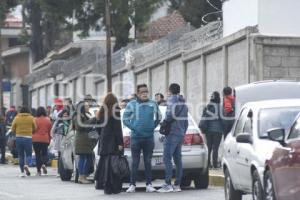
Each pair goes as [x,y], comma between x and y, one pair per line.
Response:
[24,114]
[178,98]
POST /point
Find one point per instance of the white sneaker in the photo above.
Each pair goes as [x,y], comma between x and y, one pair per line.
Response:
[22,175]
[176,188]
[131,189]
[166,189]
[150,188]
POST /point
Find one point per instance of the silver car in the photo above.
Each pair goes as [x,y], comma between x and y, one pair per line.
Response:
[194,155]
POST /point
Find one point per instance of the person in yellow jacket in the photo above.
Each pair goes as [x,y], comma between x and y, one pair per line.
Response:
[23,126]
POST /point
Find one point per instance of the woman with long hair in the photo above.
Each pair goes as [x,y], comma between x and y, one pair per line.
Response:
[84,145]
[24,126]
[212,126]
[41,139]
[111,143]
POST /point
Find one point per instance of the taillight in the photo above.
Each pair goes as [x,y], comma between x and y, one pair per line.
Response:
[126,141]
[193,139]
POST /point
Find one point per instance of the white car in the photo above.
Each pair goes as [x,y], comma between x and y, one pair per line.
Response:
[194,155]
[247,146]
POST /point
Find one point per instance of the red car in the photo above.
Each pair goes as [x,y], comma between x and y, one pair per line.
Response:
[282,176]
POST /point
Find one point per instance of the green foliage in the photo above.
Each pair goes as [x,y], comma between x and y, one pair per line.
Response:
[194,10]
[5,6]
[124,14]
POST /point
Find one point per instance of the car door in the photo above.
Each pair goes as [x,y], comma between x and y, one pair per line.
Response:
[245,153]
[231,151]
[286,166]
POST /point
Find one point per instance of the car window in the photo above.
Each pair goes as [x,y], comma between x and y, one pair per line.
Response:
[271,118]
[295,132]
[240,123]
[248,126]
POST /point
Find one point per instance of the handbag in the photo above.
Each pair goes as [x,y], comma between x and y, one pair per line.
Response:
[165,126]
[120,166]
[93,134]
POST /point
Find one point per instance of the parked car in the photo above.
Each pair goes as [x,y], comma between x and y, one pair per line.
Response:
[282,171]
[247,147]
[194,155]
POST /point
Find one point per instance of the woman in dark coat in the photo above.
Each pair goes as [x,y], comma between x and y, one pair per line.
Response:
[84,145]
[110,144]
[211,125]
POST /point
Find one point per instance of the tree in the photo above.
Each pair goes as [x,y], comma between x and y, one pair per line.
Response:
[48,21]
[5,6]
[193,11]
[124,14]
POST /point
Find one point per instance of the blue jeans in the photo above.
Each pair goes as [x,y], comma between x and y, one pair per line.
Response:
[172,148]
[24,148]
[84,164]
[138,145]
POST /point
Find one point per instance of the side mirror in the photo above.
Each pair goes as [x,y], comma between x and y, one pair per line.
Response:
[244,138]
[277,135]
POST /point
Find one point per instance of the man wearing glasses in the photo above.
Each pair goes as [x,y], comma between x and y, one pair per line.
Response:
[142,116]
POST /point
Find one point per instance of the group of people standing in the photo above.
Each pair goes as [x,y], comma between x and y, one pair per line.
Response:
[142,115]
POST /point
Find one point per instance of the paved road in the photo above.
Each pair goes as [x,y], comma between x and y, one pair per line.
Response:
[51,188]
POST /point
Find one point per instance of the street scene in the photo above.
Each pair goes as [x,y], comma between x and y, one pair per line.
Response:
[149,99]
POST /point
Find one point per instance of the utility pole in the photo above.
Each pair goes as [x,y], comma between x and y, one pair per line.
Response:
[1,74]
[108,45]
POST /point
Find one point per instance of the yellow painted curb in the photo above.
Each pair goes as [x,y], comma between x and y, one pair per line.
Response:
[54,163]
[216,180]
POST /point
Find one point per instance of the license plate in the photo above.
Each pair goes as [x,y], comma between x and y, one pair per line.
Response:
[157,161]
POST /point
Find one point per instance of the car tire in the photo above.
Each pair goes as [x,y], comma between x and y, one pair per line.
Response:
[230,192]
[269,186]
[186,182]
[65,174]
[257,189]
[201,181]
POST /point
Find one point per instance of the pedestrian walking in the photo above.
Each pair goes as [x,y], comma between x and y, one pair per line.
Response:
[84,145]
[211,125]
[41,140]
[228,110]
[160,99]
[142,116]
[110,144]
[2,139]
[23,126]
[177,117]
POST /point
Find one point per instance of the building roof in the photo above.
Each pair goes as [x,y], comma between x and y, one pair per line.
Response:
[12,21]
[163,26]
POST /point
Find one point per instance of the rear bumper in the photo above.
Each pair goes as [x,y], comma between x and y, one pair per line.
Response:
[193,160]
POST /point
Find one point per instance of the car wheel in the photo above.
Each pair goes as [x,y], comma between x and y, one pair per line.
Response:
[201,182]
[186,182]
[65,174]
[230,192]
[257,190]
[269,187]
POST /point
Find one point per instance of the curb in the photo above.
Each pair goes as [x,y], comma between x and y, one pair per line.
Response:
[216,179]
[54,163]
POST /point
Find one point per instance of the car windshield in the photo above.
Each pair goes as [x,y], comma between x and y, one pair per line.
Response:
[276,118]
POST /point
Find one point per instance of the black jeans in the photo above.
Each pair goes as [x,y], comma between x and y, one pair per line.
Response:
[41,154]
[213,143]
[138,145]
[2,148]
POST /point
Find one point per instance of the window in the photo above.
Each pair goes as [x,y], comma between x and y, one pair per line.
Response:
[241,121]
[295,132]
[271,118]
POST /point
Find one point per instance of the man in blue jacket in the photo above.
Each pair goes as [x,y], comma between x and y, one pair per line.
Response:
[177,115]
[141,116]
